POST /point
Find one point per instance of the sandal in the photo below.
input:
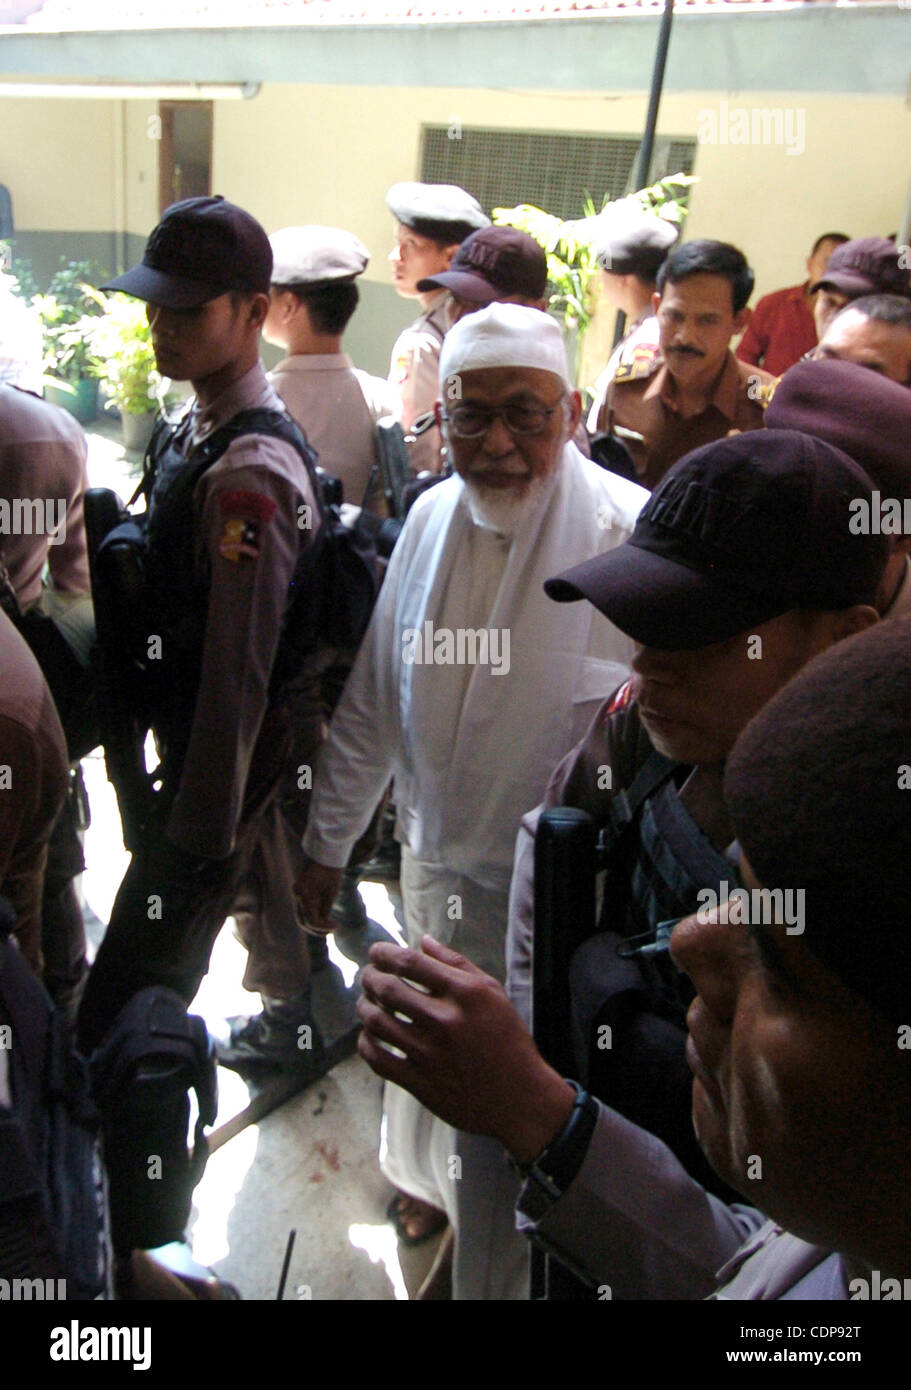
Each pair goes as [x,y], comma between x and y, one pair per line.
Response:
[398,1219]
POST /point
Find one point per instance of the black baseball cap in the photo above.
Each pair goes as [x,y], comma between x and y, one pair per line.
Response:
[867,265]
[492,263]
[736,533]
[202,248]
[860,411]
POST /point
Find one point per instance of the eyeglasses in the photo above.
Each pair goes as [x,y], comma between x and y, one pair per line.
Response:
[473,421]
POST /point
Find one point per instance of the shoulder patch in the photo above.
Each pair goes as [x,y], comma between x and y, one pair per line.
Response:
[247,504]
[239,540]
[637,369]
[245,513]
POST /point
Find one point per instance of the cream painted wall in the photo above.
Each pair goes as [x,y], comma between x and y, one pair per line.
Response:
[57,161]
[61,161]
[141,181]
[328,154]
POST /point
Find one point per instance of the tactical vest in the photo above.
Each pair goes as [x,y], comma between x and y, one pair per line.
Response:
[656,877]
[657,861]
[178,593]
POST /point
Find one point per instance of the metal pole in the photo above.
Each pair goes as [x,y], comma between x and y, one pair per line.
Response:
[644,159]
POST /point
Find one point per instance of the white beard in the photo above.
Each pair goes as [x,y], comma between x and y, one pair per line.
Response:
[500,510]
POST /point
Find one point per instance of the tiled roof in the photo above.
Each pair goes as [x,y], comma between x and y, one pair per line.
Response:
[171,14]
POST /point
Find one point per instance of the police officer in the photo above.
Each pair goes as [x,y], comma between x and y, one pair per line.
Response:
[431,221]
[696,391]
[312,299]
[629,252]
[34,780]
[43,467]
[867,265]
[495,265]
[224,542]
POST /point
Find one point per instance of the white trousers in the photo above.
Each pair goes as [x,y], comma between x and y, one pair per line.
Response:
[466,1175]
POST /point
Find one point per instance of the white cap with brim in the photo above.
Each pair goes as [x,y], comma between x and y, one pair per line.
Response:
[315,255]
[504,335]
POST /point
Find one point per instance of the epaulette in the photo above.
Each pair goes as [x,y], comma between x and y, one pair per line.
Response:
[637,370]
[767,391]
[638,352]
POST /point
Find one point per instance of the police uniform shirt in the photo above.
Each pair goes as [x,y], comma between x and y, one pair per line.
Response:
[414,376]
[338,408]
[33,750]
[640,344]
[642,402]
[43,459]
[249,527]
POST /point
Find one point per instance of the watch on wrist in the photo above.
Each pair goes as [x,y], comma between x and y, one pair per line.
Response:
[549,1175]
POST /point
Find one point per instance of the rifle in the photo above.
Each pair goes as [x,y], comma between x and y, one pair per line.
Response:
[565,868]
[118,595]
[395,469]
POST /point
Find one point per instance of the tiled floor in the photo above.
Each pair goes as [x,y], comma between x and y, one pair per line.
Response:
[310,1165]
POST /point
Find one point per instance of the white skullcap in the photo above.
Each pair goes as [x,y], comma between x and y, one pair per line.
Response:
[504,335]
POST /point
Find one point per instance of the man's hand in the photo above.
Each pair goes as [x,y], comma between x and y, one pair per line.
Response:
[316,891]
[468,1056]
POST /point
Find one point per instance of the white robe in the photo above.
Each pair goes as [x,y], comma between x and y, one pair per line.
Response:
[461,791]
[470,751]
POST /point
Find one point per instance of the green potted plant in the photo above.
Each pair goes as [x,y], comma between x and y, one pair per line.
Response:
[122,343]
[70,364]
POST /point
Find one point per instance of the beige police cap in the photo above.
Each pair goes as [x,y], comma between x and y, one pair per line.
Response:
[438,210]
[315,255]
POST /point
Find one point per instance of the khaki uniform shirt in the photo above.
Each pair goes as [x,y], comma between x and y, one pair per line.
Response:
[338,408]
[642,403]
[35,772]
[414,375]
[42,463]
[640,344]
[248,536]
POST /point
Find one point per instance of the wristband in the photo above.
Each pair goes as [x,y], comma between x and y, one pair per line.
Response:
[549,1175]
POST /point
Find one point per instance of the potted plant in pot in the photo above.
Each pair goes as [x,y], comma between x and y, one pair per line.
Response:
[70,364]
[122,343]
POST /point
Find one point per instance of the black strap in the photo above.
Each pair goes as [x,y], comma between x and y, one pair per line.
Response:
[625,804]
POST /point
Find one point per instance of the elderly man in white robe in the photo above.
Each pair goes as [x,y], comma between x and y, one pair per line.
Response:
[468,689]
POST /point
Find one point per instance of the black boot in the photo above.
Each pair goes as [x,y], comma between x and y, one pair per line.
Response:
[284,1036]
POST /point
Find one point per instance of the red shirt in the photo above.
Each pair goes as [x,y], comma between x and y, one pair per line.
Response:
[780,331]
